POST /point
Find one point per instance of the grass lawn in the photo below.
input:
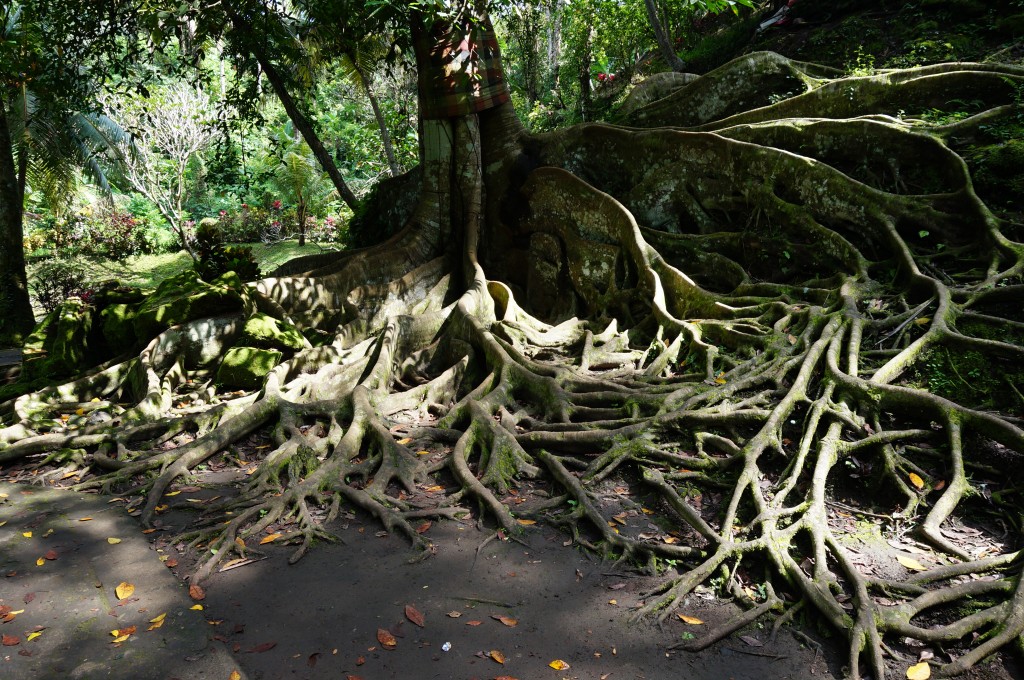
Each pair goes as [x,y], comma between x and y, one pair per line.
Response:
[147,271]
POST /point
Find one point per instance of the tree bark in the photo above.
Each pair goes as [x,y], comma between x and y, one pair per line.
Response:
[16,317]
[664,42]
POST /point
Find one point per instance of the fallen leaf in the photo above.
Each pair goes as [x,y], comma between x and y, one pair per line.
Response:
[28,597]
[911,563]
[919,671]
[670,540]
[507,620]
[916,480]
[721,381]
[423,453]
[171,563]
[360,660]
[752,641]
[40,562]
[613,602]
[27,534]
[124,632]
[434,489]
[421,529]
[158,619]
[559,665]
[85,519]
[692,620]
[124,590]
[940,485]
[454,614]
[386,639]
[11,640]
[617,586]
[239,542]
[113,541]
[269,539]
[497,656]
[173,493]
[313,658]
[414,615]
[473,623]
[235,675]
[32,636]
[526,522]
[405,440]
[923,321]
[196,592]
[197,607]
[51,555]
[262,647]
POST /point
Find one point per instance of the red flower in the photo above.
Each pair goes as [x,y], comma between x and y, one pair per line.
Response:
[277,205]
[601,76]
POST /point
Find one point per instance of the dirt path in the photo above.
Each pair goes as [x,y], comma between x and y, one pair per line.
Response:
[323,614]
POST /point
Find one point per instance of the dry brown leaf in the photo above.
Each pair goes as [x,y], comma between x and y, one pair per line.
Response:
[414,615]
[196,592]
[124,590]
[11,640]
[692,620]
[919,671]
[121,632]
[454,614]
[386,639]
[940,485]
[497,656]
[559,665]
[262,647]
[473,623]
[507,620]
[239,542]
[423,528]
[910,563]
[171,563]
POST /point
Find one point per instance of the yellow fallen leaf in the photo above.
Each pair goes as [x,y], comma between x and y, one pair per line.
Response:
[197,607]
[923,321]
[118,632]
[156,625]
[916,480]
[497,656]
[920,671]
[80,412]
[40,562]
[33,636]
[647,511]
[121,638]
[161,508]
[434,489]
[912,564]
[721,381]
[172,493]
[113,541]
[613,602]
[158,619]
[526,522]
[405,440]
[670,540]
[559,665]
[26,534]
[423,453]
[235,676]
[123,590]
[269,539]
[85,519]
[239,542]
[692,620]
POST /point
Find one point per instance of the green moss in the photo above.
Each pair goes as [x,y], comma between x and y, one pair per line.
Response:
[998,171]
[60,340]
[186,297]
[267,332]
[247,367]
[718,48]
[971,378]
[118,325]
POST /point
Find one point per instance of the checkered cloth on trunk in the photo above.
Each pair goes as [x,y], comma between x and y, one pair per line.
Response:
[463,72]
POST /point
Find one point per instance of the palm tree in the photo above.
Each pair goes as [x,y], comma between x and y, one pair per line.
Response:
[42,146]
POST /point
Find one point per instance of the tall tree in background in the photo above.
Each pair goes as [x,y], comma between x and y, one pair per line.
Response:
[668,52]
[732,301]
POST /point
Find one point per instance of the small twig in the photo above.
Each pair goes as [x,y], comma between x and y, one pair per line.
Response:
[481,600]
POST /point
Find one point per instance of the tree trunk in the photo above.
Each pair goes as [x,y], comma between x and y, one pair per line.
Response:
[16,317]
[382,123]
[664,41]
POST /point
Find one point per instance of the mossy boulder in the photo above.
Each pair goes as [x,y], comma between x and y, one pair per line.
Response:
[186,297]
[247,367]
[118,326]
[60,343]
[266,332]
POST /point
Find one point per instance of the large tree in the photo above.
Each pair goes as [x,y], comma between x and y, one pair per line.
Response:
[735,302]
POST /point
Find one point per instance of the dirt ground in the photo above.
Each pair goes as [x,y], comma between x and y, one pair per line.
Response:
[322,615]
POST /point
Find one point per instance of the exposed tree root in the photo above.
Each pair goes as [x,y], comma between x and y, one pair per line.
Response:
[735,311]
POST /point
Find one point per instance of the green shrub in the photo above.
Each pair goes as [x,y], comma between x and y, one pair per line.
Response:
[215,258]
[56,280]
